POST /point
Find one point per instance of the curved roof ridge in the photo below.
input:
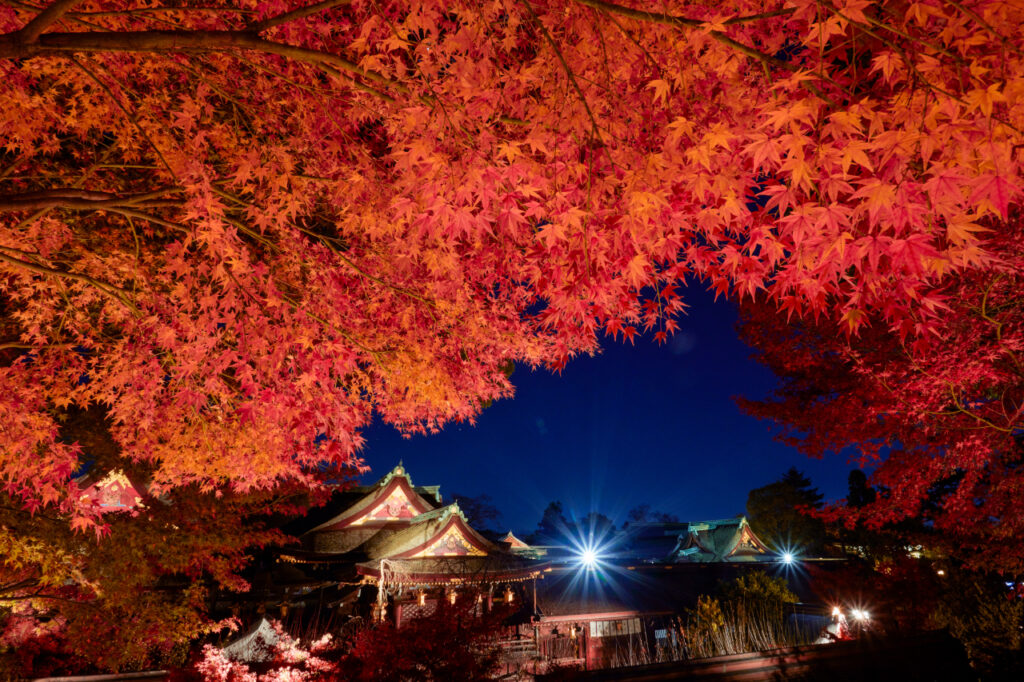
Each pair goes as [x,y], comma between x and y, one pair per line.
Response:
[440,512]
[395,478]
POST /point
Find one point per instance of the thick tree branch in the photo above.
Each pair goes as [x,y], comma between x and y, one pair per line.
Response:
[76,199]
[162,10]
[183,41]
[33,29]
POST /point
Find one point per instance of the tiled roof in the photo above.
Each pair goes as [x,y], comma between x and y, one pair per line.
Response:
[719,540]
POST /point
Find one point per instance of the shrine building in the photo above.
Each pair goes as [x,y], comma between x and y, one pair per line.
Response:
[401,540]
[725,540]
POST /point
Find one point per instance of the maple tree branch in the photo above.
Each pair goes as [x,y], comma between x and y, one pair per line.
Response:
[158,10]
[191,41]
[109,290]
[998,325]
[181,41]
[340,256]
[671,20]
[241,227]
[52,597]
[960,406]
[298,13]
[908,62]
[204,41]
[14,166]
[76,199]
[984,24]
[31,31]
[131,117]
[19,584]
[322,239]
[565,65]
[296,307]
[684,22]
[131,213]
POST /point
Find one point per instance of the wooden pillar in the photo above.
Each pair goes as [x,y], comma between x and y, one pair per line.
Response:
[585,645]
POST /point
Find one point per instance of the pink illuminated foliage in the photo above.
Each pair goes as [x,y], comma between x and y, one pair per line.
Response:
[455,644]
[284,660]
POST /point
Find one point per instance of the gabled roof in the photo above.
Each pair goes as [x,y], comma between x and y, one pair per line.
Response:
[255,646]
[520,548]
[440,546]
[113,492]
[393,499]
[721,540]
[393,525]
[514,543]
[441,532]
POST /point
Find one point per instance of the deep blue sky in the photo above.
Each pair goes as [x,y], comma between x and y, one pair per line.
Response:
[645,424]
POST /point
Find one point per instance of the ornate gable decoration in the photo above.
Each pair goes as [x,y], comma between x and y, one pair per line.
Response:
[112,493]
[748,543]
[453,542]
[391,499]
[394,507]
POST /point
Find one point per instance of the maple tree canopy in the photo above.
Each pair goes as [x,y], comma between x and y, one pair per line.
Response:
[245,227]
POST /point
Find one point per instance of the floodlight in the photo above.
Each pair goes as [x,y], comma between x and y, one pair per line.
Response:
[787,558]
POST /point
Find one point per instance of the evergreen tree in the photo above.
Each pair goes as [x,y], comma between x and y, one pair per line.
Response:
[860,493]
[553,527]
[779,513]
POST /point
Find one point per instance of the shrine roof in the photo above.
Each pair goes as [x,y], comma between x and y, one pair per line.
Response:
[112,491]
[719,540]
[514,542]
[391,499]
[440,531]
[432,493]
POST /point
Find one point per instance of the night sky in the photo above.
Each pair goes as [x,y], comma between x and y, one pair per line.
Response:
[645,424]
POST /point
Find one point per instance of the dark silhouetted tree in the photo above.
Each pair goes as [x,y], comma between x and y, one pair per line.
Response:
[779,513]
[479,511]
